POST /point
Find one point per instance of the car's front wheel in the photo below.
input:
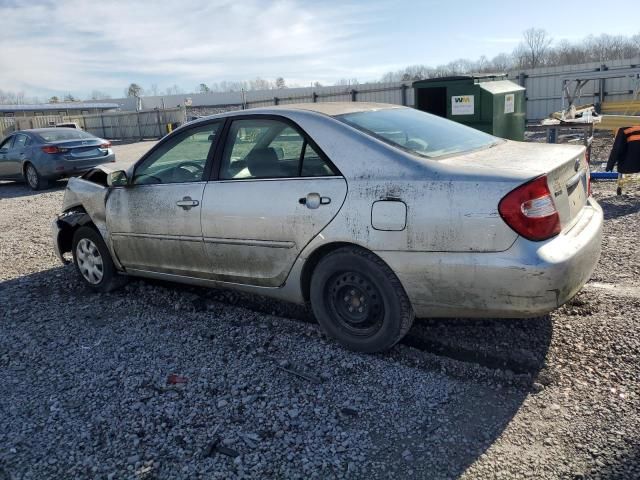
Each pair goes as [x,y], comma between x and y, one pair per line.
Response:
[34,179]
[359,301]
[93,261]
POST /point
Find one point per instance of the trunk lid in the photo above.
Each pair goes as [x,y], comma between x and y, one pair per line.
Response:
[82,149]
[565,166]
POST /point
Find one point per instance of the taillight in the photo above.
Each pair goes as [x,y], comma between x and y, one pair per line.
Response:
[530,211]
[105,145]
[50,149]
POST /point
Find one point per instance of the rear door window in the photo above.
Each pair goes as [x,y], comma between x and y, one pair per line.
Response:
[261,148]
[313,165]
[266,148]
[20,141]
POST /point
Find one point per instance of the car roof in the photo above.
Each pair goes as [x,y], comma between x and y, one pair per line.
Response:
[332,108]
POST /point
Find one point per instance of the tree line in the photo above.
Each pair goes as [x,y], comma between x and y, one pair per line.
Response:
[258,83]
[19,98]
[536,49]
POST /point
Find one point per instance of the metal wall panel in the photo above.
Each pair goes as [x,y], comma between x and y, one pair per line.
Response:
[544,86]
[371,92]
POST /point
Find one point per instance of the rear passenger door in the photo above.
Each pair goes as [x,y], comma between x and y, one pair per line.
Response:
[274,192]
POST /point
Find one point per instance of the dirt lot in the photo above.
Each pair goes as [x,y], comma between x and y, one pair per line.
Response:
[86,392]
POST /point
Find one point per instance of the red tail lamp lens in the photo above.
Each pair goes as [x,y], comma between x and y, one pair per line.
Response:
[530,210]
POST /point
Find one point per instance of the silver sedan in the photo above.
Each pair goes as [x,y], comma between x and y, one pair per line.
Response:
[373,213]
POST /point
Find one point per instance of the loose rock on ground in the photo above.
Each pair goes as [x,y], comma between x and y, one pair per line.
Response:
[163,381]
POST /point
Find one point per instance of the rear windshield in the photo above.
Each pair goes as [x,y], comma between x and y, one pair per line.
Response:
[63,134]
[419,132]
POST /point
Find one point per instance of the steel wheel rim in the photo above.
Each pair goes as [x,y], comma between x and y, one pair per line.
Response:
[355,303]
[89,261]
[32,176]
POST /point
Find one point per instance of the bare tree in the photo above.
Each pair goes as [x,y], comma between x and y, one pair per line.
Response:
[280,83]
[390,77]
[70,98]
[203,88]
[174,90]
[483,64]
[134,90]
[153,89]
[347,81]
[521,57]
[502,62]
[461,66]
[228,86]
[536,44]
[98,95]
[16,98]
[54,99]
[260,84]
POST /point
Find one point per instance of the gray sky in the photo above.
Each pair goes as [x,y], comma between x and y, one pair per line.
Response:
[55,47]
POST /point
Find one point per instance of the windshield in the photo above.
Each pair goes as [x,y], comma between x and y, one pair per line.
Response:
[63,134]
[419,132]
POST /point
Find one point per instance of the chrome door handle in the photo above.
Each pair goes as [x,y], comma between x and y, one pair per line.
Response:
[187,203]
[314,200]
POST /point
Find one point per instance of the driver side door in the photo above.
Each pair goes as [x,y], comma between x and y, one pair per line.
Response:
[6,165]
[154,221]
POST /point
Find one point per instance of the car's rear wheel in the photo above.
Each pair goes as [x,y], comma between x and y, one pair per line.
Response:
[34,179]
[359,301]
[93,261]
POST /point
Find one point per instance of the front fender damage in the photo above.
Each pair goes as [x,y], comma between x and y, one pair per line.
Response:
[63,228]
[84,203]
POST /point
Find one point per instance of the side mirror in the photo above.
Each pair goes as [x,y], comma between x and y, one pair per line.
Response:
[117,179]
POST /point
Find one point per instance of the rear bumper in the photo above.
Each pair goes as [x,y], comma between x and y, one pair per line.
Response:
[73,168]
[527,280]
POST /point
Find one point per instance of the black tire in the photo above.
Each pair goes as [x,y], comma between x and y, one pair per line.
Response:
[103,278]
[33,178]
[358,300]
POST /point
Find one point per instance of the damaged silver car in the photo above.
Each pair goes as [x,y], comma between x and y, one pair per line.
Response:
[372,213]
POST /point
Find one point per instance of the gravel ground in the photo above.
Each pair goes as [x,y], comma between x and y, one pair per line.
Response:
[165,381]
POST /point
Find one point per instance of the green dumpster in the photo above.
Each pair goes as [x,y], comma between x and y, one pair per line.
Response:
[489,103]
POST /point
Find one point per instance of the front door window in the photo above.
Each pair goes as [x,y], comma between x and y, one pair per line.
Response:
[6,144]
[181,160]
